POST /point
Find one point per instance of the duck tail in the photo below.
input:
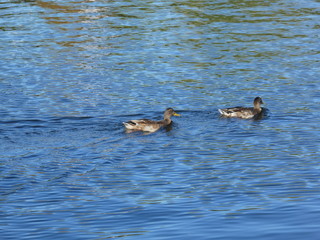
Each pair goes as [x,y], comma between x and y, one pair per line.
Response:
[127,125]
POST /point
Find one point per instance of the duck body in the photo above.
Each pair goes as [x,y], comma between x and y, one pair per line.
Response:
[255,112]
[147,125]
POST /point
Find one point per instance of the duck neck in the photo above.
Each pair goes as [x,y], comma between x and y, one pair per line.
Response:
[167,120]
[257,108]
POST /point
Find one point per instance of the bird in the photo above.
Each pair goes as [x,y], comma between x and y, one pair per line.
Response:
[254,112]
[147,125]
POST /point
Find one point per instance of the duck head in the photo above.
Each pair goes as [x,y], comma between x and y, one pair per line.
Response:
[257,102]
[169,113]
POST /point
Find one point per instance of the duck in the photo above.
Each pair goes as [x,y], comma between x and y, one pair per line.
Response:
[254,112]
[147,125]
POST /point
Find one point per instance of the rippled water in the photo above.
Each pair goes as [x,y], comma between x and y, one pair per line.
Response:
[72,71]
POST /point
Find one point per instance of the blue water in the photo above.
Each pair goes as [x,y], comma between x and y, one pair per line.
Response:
[72,71]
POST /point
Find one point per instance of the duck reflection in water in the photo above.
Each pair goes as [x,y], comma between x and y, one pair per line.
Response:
[151,126]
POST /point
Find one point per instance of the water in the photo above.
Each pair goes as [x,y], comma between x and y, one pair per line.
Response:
[73,71]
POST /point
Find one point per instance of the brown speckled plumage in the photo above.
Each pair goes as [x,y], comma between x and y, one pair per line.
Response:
[147,125]
[244,112]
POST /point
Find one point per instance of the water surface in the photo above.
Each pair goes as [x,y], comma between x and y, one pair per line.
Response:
[73,71]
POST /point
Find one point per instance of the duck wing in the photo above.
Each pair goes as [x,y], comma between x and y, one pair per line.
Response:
[143,125]
[239,112]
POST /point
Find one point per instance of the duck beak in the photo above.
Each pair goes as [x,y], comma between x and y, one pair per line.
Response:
[176,114]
